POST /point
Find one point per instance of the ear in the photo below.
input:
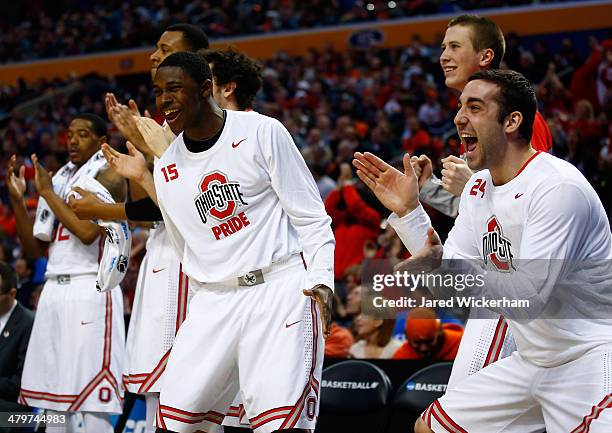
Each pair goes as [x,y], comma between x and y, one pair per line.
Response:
[512,122]
[206,88]
[229,89]
[486,58]
[102,140]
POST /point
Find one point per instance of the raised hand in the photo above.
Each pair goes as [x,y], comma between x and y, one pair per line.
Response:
[324,298]
[42,177]
[455,174]
[397,191]
[156,137]
[134,107]
[86,206]
[16,185]
[427,259]
[423,168]
[124,118]
[132,166]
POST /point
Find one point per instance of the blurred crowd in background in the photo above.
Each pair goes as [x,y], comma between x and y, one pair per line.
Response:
[387,101]
[41,28]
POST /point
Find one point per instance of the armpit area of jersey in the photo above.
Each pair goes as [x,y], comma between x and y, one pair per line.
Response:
[143,210]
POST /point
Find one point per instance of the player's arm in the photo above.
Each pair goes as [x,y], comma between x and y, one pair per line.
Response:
[86,231]
[300,198]
[16,185]
[443,195]
[114,183]
[89,207]
[132,166]
[434,194]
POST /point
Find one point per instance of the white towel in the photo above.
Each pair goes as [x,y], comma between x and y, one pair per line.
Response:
[118,243]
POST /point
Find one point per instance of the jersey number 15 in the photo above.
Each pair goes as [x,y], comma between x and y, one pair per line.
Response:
[170,172]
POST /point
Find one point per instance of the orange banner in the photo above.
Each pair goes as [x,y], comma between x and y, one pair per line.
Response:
[531,20]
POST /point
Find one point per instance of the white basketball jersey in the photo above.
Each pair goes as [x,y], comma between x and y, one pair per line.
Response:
[245,203]
[549,214]
[67,254]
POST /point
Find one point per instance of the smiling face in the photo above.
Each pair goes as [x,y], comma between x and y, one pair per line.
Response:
[458,59]
[168,43]
[179,97]
[478,125]
[82,141]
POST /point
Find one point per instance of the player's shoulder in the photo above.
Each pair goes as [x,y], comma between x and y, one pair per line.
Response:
[554,182]
[549,169]
[251,118]
[170,153]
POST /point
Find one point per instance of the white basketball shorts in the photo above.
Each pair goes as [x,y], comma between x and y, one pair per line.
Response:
[485,340]
[160,307]
[77,348]
[514,395]
[264,340]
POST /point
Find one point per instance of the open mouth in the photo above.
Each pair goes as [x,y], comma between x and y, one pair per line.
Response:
[469,141]
[448,69]
[171,114]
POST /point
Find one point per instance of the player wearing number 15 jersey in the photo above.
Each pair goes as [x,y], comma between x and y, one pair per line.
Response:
[246,220]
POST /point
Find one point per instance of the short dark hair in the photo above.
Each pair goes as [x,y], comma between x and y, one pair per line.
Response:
[194,36]
[515,94]
[485,34]
[194,64]
[231,65]
[8,277]
[97,123]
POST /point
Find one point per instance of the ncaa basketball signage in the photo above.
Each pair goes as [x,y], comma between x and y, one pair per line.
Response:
[496,247]
[428,387]
[344,384]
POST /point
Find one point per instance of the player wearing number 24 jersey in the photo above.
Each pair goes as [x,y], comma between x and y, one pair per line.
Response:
[527,205]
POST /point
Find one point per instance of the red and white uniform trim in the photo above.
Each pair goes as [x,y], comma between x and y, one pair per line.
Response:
[606,403]
[28,397]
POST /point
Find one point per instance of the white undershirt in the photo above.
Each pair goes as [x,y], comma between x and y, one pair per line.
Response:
[5,317]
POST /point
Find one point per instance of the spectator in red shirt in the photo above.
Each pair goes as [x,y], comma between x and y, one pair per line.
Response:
[353,220]
[8,226]
[428,338]
[419,139]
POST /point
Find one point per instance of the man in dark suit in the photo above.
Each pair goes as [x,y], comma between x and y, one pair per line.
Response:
[15,326]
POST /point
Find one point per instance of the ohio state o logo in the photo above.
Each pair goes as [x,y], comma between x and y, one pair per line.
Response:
[230,205]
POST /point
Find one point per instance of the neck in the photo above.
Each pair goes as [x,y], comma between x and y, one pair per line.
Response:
[6,306]
[210,122]
[372,337]
[510,164]
[232,105]
[85,159]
